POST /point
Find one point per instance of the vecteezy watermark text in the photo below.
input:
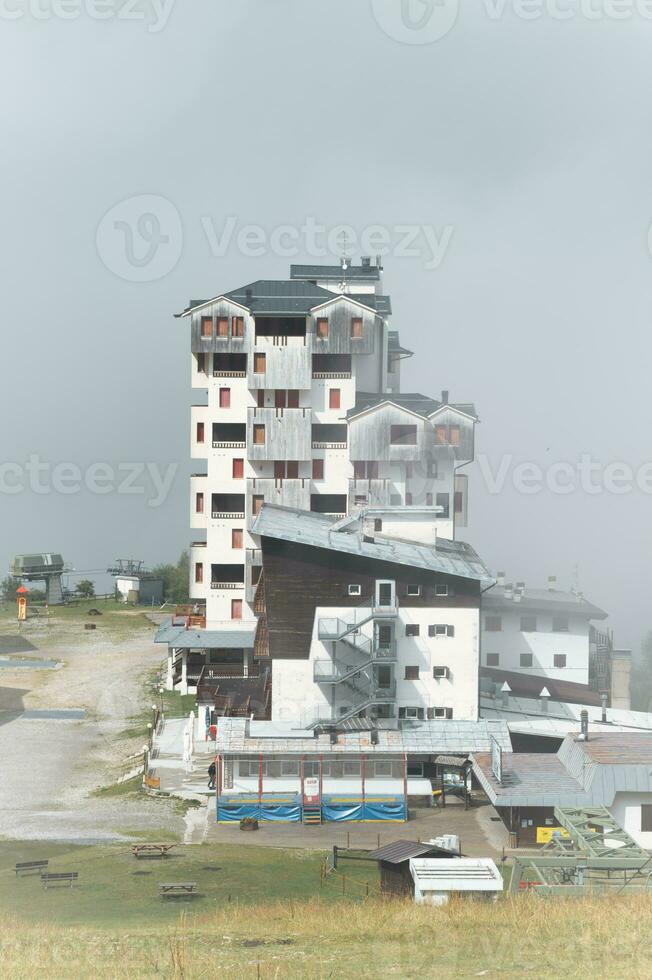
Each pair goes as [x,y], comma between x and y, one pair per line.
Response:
[38,476]
[155,13]
[427,21]
[140,239]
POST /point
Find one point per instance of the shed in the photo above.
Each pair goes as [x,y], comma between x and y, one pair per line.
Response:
[394,863]
[435,880]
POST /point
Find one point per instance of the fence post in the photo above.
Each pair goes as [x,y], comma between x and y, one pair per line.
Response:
[344,884]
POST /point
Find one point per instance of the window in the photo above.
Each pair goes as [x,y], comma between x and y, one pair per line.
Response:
[355,590]
[222,326]
[259,363]
[238,326]
[414,590]
[443,501]
[441,435]
[207,326]
[334,398]
[257,502]
[646,818]
[411,673]
[318,469]
[381,768]
[292,470]
[408,499]
[440,629]
[201,430]
[412,629]
[526,660]
[403,435]
[441,713]
[415,768]
[528,624]
[199,572]
[378,524]
[447,435]
[201,363]
[238,469]
[293,398]
[199,503]
[225,398]
[454,435]
[560,624]
[356,327]
[259,435]
[430,500]
[493,660]
[279,469]
[280,398]
[237,538]
[560,660]
[322,327]
[440,672]
[385,635]
[359,469]
[411,713]
[459,502]
[493,624]
[236,608]
[260,398]
[441,589]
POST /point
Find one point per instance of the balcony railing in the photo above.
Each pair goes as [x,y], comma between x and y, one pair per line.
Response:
[331,375]
[229,445]
[229,374]
[328,445]
[219,515]
[227,585]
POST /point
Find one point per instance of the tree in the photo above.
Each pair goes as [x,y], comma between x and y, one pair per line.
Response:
[85,589]
[176,579]
[8,587]
[641,684]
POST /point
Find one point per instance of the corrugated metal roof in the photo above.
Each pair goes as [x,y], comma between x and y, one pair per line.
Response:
[180,638]
[335,272]
[237,736]
[414,402]
[402,850]
[314,530]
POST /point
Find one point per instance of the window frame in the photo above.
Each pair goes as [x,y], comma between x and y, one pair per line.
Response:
[412,672]
[354,589]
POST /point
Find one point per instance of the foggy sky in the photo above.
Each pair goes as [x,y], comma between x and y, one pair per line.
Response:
[530,139]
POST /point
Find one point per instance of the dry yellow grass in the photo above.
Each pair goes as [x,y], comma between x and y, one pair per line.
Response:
[527,936]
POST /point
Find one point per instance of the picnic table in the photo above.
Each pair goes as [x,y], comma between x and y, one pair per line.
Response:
[169,889]
[151,850]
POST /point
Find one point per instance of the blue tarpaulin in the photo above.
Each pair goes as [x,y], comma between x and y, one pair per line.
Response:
[340,812]
[287,809]
[234,813]
[280,814]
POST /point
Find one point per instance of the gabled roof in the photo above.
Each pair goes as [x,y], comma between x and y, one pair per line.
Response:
[366,300]
[413,402]
[544,600]
[271,296]
[336,273]
[316,530]
[402,850]
[180,638]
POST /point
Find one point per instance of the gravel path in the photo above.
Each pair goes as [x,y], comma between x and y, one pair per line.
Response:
[51,768]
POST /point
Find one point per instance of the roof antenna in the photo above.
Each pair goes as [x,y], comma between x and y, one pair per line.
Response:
[344,262]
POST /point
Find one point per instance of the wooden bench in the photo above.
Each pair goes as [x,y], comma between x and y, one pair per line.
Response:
[151,850]
[59,878]
[30,867]
[177,888]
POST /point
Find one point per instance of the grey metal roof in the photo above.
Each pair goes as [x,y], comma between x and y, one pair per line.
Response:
[280,296]
[402,850]
[335,272]
[547,600]
[314,530]
[394,344]
[239,736]
[381,304]
[412,401]
[180,638]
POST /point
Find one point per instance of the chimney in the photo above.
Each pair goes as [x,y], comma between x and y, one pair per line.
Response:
[500,579]
[379,262]
[444,397]
[248,294]
[552,582]
[584,725]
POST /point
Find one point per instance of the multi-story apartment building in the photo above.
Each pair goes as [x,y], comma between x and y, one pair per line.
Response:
[304,410]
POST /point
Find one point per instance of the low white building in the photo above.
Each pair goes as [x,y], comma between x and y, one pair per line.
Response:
[360,623]
[437,879]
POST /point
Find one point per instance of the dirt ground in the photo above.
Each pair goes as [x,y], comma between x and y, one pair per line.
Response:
[51,767]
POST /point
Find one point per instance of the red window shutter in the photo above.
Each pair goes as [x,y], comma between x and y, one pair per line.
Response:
[207,326]
[200,432]
[441,435]
[259,435]
[238,469]
[292,470]
[199,503]
[256,503]
[280,398]
[238,326]
[459,502]
[236,538]
[322,327]
[455,435]
[259,363]
[334,398]
[261,398]
[222,326]
[279,469]
[225,398]
[293,398]
[318,469]
[236,608]
[356,327]
[199,573]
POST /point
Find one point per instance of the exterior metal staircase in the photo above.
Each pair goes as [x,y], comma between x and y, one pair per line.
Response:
[311,814]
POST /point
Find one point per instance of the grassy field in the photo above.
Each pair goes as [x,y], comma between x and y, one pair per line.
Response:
[524,937]
[115,888]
